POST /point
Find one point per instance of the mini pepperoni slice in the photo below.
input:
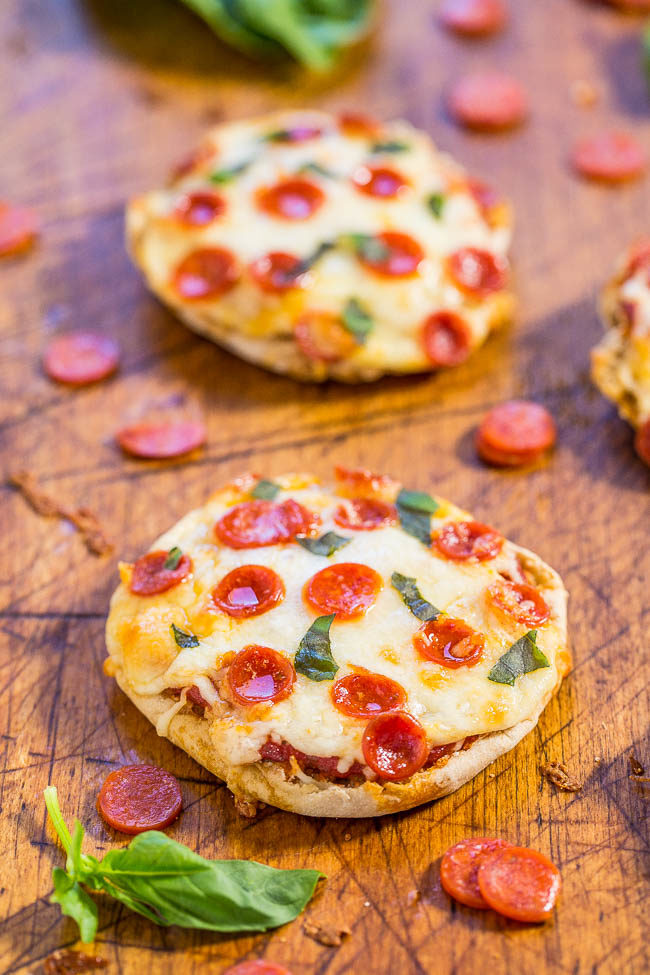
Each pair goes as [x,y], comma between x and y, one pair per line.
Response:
[322,337]
[449,642]
[136,798]
[257,967]
[397,255]
[150,577]
[365,514]
[519,883]
[249,590]
[364,695]
[446,338]
[277,272]
[357,482]
[520,602]
[358,124]
[200,208]
[463,540]
[291,199]
[459,869]
[489,101]
[206,273]
[160,441]
[260,674]
[18,229]
[612,156]
[379,181]
[473,17]
[515,433]
[79,358]
[394,745]
[642,442]
[254,524]
[348,589]
[477,272]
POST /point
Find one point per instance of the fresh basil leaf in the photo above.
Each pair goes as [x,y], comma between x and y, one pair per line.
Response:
[278,135]
[314,167]
[436,203]
[221,176]
[389,146]
[310,260]
[357,320]
[367,247]
[408,589]
[326,545]
[523,657]
[184,640]
[415,509]
[173,558]
[266,490]
[417,501]
[75,903]
[314,657]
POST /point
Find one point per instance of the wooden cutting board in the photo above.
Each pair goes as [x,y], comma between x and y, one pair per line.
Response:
[98,98]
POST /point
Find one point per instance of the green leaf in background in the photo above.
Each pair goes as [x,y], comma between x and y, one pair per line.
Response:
[314,657]
[389,146]
[407,587]
[265,490]
[436,204]
[357,320]
[415,509]
[183,639]
[326,545]
[222,176]
[173,558]
[366,246]
[523,657]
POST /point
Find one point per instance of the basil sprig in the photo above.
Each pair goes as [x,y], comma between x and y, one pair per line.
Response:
[389,146]
[315,167]
[436,203]
[357,320]
[265,490]
[326,545]
[407,587]
[173,558]
[314,657]
[523,657]
[222,176]
[366,246]
[183,639]
[308,262]
[170,884]
[415,509]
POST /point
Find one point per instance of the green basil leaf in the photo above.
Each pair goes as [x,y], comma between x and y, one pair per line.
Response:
[173,558]
[523,657]
[221,176]
[366,246]
[415,509]
[357,320]
[75,903]
[326,545]
[389,146]
[408,589]
[183,639]
[314,167]
[310,260]
[417,501]
[436,204]
[314,657]
[266,490]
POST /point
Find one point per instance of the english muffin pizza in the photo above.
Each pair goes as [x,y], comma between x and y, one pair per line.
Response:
[327,247]
[620,363]
[338,651]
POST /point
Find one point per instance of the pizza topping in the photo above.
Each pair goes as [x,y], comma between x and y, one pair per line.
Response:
[365,514]
[248,590]
[487,199]
[174,557]
[489,101]
[436,204]
[314,656]
[394,745]
[459,869]
[473,17]
[446,338]
[393,255]
[515,433]
[408,589]
[221,176]
[273,751]
[18,229]
[277,272]
[519,883]
[642,442]
[358,482]
[326,545]
[267,490]
[199,208]
[139,797]
[363,695]
[184,640]
[322,337]
[254,524]
[611,156]
[389,147]
[260,674]
[358,124]
[638,258]
[415,509]
[292,199]
[295,134]
[150,577]
[160,441]
[477,272]
[357,320]
[206,273]
[257,967]
[439,754]
[347,589]
[78,358]
[449,642]
[523,657]
[463,540]
[520,602]
[315,167]
[379,181]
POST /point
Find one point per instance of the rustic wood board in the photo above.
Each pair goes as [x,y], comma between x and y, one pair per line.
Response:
[97,99]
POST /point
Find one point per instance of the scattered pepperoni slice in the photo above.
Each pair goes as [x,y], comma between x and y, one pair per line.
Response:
[322,337]
[473,18]
[365,514]
[489,101]
[364,695]
[200,208]
[612,156]
[394,745]
[477,272]
[150,577]
[292,199]
[459,869]
[254,524]
[348,589]
[358,124]
[249,590]
[463,540]
[642,442]
[257,967]
[520,602]
[79,358]
[276,272]
[160,441]
[519,883]
[449,642]
[379,181]
[18,229]
[446,338]
[260,674]
[206,273]
[136,798]
[515,433]
[357,482]
[401,256]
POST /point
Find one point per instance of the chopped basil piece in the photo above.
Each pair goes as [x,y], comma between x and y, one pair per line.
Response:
[390,146]
[314,657]
[436,203]
[221,176]
[265,490]
[183,639]
[415,509]
[314,167]
[364,245]
[173,558]
[357,320]
[326,545]
[311,259]
[408,589]
[523,657]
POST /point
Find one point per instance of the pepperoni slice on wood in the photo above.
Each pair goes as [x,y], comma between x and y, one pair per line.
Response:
[613,157]
[519,883]
[79,358]
[449,642]
[515,433]
[473,18]
[459,869]
[446,338]
[200,208]
[519,602]
[394,745]
[160,441]
[257,967]
[18,229]
[292,199]
[358,124]
[364,695]
[150,577]
[348,589]
[276,272]
[463,540]
[365,514]
[254,524]
[642,442]
[322,337]
[206,273]
[399,256]
[249,590]
[260,674]
[379,181]
[136,798]
[477,272]
[489,101]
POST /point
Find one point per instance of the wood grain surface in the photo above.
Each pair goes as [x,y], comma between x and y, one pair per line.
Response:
[98,98]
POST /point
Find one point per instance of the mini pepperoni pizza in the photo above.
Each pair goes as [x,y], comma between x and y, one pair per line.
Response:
[327,247]
[338,651]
